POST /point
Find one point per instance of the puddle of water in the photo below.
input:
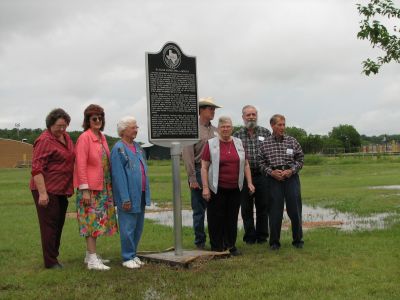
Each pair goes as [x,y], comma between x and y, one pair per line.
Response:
[312,217]
[385,187]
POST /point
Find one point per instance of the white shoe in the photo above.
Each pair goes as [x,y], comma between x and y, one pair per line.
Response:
[104,261]
[138,261]
[95,264]
[131,264]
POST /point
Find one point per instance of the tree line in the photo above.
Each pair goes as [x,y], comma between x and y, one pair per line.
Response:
[343,138]
[30,135]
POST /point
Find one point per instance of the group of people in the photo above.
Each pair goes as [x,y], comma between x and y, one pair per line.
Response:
[251,168]
[226,173]
[103,180]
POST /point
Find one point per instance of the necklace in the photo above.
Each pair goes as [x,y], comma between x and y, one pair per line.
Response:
[229,148]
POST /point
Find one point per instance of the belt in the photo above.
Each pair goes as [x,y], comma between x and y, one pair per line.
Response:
[281,167]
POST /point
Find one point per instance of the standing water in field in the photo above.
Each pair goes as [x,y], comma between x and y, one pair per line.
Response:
[312,217]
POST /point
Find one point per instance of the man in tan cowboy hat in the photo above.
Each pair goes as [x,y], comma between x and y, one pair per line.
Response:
[192,158]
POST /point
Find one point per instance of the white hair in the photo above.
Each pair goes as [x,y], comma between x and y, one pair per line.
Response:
[223,120]
[124,123]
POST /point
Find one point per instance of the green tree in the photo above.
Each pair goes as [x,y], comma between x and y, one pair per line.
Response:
[347,135]
[313,143]
[331,145]
[298,133]
[379,36]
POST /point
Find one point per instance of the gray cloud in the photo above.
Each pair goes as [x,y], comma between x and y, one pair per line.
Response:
[299,58]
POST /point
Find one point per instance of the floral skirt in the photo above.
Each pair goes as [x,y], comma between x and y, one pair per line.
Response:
[99,217]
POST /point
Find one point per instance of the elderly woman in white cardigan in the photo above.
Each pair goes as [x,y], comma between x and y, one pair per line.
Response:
[130,189]
[223,168]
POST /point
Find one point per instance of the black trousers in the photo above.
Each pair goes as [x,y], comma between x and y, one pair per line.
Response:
[287,191]
[258,230]
[51,222]
[222,218]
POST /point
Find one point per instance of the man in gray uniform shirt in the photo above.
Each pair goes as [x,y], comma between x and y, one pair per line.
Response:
[192,159]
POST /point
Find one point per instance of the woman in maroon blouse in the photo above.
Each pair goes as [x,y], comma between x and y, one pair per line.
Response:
[223,168]
[51,183]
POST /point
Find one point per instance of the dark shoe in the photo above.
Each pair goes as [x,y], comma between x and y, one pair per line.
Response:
[298,245]
[200,246]
[235,252]
[250,242]
[217,250]
[56,266]
[274,247]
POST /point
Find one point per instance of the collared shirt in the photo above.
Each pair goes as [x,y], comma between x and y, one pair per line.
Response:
[55,161]
[191,155]
[284,151]
[252,145]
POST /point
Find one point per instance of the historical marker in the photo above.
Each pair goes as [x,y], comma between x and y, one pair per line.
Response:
[172,109]
[172,96]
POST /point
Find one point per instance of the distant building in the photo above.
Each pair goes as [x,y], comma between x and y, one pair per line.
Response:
[15,154]
[156,152]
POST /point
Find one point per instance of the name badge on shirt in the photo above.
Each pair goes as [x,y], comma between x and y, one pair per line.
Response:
[261,138]
[289,151]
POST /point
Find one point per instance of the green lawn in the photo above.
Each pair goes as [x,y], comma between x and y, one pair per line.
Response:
[333,264]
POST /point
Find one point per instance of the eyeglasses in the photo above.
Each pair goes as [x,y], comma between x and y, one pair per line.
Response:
[96,119]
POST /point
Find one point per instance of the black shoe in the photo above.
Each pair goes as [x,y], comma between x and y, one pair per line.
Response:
[200,246]
[274,247]
[235,252]
[250,242]
[298,245]
[56,266]
[217,250]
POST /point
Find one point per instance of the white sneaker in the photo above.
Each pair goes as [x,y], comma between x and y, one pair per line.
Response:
[96,264]
[138,261]
[131,264]
[104,261]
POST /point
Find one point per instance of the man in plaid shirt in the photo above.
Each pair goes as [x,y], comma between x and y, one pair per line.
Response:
[252,136]
[281,158]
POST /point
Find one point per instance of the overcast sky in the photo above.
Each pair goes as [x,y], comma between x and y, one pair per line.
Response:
[298,58]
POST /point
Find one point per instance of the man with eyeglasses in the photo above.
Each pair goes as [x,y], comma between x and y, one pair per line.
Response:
[191,156]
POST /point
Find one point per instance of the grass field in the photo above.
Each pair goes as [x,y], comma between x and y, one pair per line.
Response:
[333,264]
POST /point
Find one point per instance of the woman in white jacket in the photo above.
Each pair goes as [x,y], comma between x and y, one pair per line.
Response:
[223,168]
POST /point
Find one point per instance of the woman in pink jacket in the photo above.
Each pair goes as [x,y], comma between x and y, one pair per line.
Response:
[94,202]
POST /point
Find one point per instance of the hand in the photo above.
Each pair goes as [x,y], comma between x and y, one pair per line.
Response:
[287,173]
[194,185]
[206,194]
[86,197]
[278,175]
[43,199]
[252,189]
[127,205]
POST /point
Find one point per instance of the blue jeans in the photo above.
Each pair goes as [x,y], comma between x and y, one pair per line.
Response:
[130,230]
[199,210]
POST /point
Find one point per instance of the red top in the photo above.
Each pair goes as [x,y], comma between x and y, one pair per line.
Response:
[55,161]
[133,149]
[228,164]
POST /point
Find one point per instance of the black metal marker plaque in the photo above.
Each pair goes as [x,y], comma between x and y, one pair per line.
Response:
[172,95]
